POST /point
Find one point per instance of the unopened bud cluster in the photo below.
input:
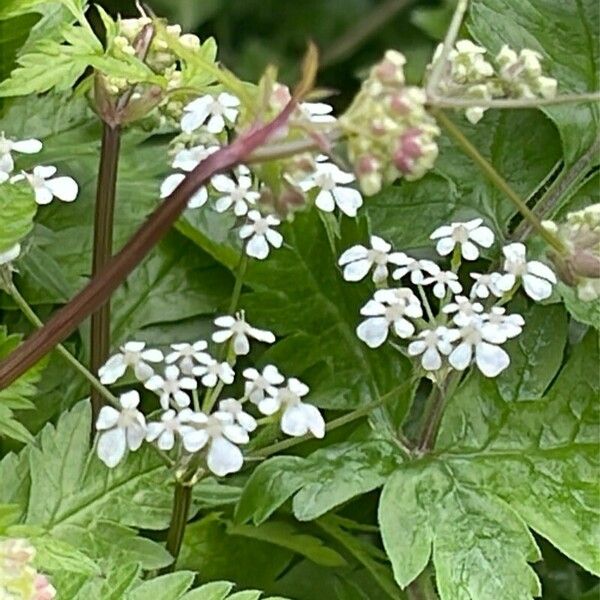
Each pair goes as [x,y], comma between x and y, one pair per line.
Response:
[468,74]
[19,580]
[580,234]
[390,134]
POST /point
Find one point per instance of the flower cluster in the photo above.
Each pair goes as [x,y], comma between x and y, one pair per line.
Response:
[184,425]
[467,74]
[390,134]
[19,580]
[461,331]
[580,233]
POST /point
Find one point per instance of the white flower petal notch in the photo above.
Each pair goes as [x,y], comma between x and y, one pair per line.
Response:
[260,235]
[120,430]
[134,355]
[8,146]
[358,260]
[46,186]
[220,111]
[389,308]
[537,277]
[432,346]
[333,189]
[236,193]
[297,417]
[170,388]
[470,235]
[239,330]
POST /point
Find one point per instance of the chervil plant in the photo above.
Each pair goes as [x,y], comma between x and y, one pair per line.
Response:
[331,353]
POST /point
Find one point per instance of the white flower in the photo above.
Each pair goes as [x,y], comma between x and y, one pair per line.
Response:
[358,260]
[9,255]
[537,277]
[388,308]
[416,268]
[432,344]
[219,111]
[236,408]
[498,326]
[120,429]
[297,417]
[188,355]
[7,164]
[237,194]
[171,386]
[443,280]
[170,424]
[240,330]
[468,62]
[46,186]
[261,235]
[486,284]
[317,112]
[132,355]
[464,309]
[172,182]
[326,177]
[212,371]
[464,234]
[489,358]
[189,158]
[221,434]
[257,384]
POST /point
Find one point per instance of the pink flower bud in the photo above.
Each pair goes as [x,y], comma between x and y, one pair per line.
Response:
[408,150]
[367,164]
[44,590]
[400,104]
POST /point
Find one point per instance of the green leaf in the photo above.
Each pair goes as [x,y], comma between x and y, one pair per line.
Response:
[215,590]
[13,8]
[567,35]
[167,587]
[325,479]
[53,555]
[587,312]
[17,209]
[291,537]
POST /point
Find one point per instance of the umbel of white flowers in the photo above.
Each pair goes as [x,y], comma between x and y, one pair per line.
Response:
[183,429]
[474,335]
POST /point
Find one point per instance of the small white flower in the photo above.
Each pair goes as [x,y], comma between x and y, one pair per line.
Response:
[188,355]
[464,309]
[171,386]
[221,434]
[257,384]
[239,329]
[416,268]
[170,425]
[132,355]
[443,280]
[464,234]
[46,187]
[486,284]
[7,146]
[358,260]
[237,194]
[120,429]
[499,327]
[236,408]
[261,235]
[9,255]
[297,417]
[189,158]
[219,111]
[212,371]
[328,177]
[388,308]
[432,345]
[172,182]
[489,358]
[536,276]
[317,112]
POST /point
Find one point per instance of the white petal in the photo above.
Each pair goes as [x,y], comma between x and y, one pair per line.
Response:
[536,287]
[348,200]
[44,171]
[195,440]
[431,360]
[43,195]
[417,347]
[64,188]
[484,236]
[216,124]
[107,418]
[129,399]
[460,357]
[314,420]
[373,331]
[113,369]
[198,199]
[154,383]
[167,440]
[248,422]
[445,246]
[272,375]
[152,355]
[274,238]
[403,328]
[469,251]
[241,345]
[257,247]
[222,183]
[236,434]
[269,405]
[539,269]
[352,254]
[325,201]
[491,359]
[135,436]
[441,232]
[143,371]
[355,271]
[224,457]
[169,185]
[111,447]
[31,146]
[153,430]
[297,387]
[293,421]
[221,336]
[229,100]
[515,252]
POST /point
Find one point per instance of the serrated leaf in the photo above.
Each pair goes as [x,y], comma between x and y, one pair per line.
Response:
[215,590]
[567,35]
[167,587]
[325,479]
[17,209]
[53,555]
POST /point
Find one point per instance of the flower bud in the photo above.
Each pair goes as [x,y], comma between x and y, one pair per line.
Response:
[390,71]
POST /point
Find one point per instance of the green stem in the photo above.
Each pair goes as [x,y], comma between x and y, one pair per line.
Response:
[442,102]
[239,282]
[103,242]
[472,152]
[81,369]
[426,304]
[182,500]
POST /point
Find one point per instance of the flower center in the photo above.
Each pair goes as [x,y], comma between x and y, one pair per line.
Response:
[516,267]
[127,417]
[131,358]
[261,226]
[471,335]
[377,256]
[395,311]
[460,234]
